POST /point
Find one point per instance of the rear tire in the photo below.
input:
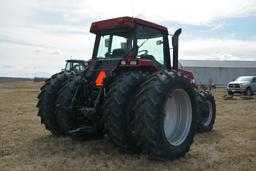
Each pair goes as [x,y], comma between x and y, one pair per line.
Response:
[46,103]
[118,109]
[206,109]
[165,115]
[71,119]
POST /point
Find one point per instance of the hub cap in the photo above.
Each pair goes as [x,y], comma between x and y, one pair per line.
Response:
[208,116]
[178,117]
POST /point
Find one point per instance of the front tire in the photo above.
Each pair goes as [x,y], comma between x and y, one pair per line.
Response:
[248,91]
[206,109]
[166,115]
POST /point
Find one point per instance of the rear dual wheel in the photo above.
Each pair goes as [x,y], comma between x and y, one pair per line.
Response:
[118,109]
[71,99]
[165,115]
[46,102]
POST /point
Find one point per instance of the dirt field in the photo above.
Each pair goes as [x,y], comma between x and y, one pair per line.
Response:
[26,145]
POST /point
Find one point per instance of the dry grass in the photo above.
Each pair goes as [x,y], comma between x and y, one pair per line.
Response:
[26,145]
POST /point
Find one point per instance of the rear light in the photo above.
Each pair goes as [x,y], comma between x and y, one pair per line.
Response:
[123,62]
[100,78]
[133,62]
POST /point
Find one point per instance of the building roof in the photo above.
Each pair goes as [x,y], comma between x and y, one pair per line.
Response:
[218,63]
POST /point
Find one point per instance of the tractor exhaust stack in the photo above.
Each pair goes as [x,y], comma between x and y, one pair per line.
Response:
[175,45]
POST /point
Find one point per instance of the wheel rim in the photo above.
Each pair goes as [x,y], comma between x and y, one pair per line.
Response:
[208,116]
[178,117]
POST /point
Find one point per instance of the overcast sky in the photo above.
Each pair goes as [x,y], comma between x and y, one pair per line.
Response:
[36,36]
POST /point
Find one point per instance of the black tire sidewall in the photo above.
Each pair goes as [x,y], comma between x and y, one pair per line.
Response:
[248,91]
[46,103]
[210,125]
[184,147]
[65,116]
[123,138]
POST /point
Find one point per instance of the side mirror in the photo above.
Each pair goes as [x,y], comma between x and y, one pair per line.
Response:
[159,42]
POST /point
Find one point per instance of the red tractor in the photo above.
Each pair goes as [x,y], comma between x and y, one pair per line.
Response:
[129,91]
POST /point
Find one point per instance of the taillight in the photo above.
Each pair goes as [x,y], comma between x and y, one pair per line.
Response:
[133,62]
[123,62]
[129,62]
[100,78]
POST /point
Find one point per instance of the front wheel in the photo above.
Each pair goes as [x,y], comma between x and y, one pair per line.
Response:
[166,116]
[206,108]
[248,91]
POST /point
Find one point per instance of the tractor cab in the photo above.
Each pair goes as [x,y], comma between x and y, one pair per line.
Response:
[130,42]
[74,65]
[136,38]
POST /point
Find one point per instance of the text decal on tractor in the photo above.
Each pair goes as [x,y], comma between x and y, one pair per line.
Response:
[129,91]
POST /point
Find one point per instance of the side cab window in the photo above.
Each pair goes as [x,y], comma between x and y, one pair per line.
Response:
[254,80]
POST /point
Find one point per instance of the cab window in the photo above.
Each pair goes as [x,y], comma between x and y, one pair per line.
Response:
[150,44]
[114,45]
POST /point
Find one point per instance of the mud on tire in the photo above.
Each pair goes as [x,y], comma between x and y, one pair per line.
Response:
[153,122]
[46,103]
[118,109]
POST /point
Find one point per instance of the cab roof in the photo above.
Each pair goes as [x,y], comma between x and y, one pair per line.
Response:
[123,22]
[74,60]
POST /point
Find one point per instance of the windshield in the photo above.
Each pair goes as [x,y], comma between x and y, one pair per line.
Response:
[71,65]
[150,43]
[244,79]
[114,45]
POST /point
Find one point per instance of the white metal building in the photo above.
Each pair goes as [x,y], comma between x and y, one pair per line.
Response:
[218,72]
